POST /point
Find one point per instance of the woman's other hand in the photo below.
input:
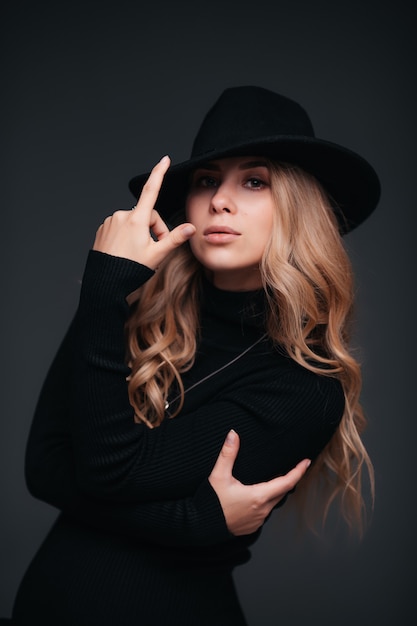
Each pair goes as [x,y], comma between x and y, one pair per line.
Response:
[246,507]
[127,234]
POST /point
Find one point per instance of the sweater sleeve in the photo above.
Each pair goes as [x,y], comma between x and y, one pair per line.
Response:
[50,475]
[117,459]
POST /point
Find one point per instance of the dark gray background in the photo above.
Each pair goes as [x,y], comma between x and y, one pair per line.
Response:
[94,93]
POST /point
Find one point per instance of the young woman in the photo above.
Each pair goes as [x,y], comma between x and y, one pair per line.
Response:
[232,323]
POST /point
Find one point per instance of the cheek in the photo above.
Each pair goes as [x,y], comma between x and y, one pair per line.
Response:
[187,209]
[262,234]
[192,209]
[264,223]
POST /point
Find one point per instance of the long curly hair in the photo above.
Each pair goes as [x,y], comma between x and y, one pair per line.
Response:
[308,279]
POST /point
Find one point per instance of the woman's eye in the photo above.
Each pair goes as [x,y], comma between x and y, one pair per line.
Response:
[255,183]
[205,181]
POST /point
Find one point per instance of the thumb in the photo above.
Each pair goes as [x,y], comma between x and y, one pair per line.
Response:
[276,488]
[225,461]
[169,241]
[231,445]
[181,233]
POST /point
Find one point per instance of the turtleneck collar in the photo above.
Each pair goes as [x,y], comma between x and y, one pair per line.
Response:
[233,317]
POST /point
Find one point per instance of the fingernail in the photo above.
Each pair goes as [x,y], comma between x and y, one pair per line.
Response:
[188,230]
[308,463]
[231,437]
[164,158]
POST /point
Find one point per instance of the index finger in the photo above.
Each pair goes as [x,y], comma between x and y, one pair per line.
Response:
[152,187]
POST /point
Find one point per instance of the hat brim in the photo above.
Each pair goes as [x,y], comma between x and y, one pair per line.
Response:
[350,181]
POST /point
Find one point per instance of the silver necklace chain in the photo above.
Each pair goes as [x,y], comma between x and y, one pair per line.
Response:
[223,367]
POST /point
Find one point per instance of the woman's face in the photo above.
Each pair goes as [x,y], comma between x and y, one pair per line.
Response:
[231,205]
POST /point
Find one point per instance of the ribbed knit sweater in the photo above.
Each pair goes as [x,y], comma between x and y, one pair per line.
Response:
[142,536]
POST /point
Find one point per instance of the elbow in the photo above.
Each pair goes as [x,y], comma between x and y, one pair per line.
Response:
[51,478]
[36,480]
[34,475]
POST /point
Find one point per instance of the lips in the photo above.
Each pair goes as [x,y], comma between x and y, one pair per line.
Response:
[220,230]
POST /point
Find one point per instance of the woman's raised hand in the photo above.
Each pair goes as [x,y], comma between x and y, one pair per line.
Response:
[127,234]
[246,507]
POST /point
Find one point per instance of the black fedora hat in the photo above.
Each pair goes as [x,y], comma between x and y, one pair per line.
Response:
[255,121]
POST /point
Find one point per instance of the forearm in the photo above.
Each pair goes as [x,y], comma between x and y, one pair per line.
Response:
[193,521]
[115,457]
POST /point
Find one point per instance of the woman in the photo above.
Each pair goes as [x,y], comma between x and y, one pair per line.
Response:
[234,324]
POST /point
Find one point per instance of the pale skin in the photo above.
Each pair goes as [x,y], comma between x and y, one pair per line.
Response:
[231,205]
[221,198]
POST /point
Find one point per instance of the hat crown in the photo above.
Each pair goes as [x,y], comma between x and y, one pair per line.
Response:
[248,115]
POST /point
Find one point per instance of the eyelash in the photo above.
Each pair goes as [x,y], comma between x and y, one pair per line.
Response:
[261,182]
[201,181]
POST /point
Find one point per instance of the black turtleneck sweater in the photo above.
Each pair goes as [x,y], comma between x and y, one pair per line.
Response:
[135,501]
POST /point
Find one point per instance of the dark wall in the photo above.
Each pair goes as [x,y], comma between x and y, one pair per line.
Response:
[94,93]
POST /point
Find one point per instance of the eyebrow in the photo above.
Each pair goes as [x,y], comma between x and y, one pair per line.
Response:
[243,166]
[249,164]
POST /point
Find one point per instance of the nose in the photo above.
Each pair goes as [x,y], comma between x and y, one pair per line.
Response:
[222,200]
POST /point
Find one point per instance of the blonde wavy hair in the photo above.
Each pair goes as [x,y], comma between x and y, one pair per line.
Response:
[308,279]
